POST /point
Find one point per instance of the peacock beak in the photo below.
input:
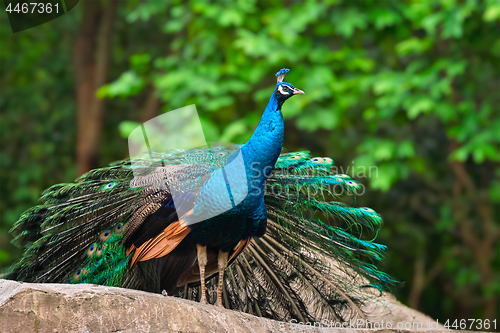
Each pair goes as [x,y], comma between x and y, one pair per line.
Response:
[298,91]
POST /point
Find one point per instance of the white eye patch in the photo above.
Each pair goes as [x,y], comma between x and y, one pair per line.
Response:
[283,92]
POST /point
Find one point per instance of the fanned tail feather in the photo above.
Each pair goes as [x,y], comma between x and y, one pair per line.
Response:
[303,268]
[312,264]
[58,234]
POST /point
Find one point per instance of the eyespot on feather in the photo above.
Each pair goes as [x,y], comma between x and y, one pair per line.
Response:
[91,250]
[77,275]
[342,176]
[109,186]
[119,229]
[105,235]
[98,252]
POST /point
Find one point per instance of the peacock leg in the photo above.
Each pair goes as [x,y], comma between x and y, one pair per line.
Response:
[222,263]
[202,262]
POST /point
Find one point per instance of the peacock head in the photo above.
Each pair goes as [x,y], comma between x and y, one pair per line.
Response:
[285,90]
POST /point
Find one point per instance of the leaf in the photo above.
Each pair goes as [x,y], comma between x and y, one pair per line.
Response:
[446,112]
[446,221]
[383,17]
[128,84]
[405,149]
[4,256]
[492,12]
[323,118]
[421,105]
[126,127]
[233,130]
[230,17]
[144,11]
[456,68]
[430,22]
[345,22]
[460,154]
[453,24]
[384,85]
[385,176]
[140,62]
[413,46]
[210,130]
[215,103]
[384,150]
[369,114]
[485,151]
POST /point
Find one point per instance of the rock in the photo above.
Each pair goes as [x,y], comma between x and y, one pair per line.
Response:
[31,307]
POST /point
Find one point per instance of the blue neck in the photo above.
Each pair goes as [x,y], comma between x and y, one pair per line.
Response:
[264,147]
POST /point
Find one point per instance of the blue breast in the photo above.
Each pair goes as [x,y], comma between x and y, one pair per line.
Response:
[247,217]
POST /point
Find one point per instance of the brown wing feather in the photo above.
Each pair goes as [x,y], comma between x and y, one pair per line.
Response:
[162,244]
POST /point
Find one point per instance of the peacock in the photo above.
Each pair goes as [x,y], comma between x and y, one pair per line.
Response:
[289,245]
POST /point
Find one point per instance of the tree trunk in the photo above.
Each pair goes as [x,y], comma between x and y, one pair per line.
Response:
[91,55]
[479,235]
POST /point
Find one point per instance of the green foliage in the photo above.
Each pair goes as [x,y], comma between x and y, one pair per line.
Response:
[128,84]
[407,87]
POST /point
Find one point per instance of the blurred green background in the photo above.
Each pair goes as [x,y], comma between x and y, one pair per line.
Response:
[411,87]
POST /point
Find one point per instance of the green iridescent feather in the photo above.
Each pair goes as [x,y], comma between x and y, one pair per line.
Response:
[76,234]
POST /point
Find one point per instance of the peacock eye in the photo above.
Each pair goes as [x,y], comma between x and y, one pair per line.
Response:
[109,186]
[105,235]
[284,90]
